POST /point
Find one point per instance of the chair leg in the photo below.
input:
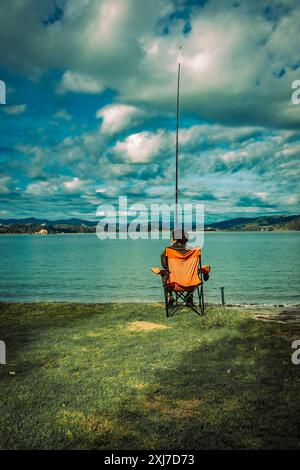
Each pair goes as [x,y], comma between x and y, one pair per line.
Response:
[166,301]
[202,300]
[187,300]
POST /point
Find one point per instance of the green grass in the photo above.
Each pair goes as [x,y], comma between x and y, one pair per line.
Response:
[87,377]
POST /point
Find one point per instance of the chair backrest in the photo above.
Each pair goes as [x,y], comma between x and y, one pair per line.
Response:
[183,269]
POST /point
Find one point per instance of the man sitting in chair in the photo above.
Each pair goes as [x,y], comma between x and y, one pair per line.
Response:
[182,275]
[180,239]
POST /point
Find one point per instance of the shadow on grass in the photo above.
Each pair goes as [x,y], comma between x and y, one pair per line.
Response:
[237,389]
[231,394]
[18,332]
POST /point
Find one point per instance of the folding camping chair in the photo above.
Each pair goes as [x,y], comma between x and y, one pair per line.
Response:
[183,280]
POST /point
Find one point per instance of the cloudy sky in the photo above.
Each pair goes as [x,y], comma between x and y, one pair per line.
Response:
[91,97]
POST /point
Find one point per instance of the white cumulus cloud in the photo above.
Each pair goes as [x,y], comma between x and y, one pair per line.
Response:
[142,147]
[76,82]
[118,117]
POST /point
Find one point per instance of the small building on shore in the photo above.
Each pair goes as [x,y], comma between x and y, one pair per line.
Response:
[42,231]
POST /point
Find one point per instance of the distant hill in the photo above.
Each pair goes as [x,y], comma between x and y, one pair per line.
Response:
[33,220]
[270,222]
[43,226]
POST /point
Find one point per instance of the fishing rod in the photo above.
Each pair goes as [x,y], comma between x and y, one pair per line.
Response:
[177,128]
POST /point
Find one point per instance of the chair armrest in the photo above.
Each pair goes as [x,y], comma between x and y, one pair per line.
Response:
[156,270]
[160,271]
[205,269]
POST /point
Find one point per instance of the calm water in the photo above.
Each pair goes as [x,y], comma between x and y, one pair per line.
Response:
[254,267]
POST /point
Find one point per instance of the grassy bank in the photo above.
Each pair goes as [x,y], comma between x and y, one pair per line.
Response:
[125,377]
